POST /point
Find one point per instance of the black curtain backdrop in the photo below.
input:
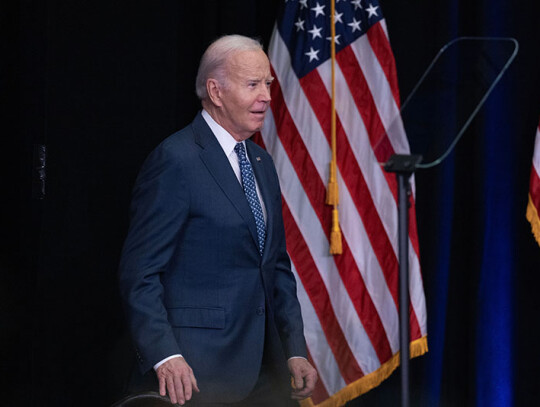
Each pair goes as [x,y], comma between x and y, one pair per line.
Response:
[100,83]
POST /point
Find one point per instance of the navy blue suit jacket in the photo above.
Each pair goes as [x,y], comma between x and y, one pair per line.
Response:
[191,277]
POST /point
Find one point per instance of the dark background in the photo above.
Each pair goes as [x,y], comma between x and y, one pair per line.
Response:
[100,83]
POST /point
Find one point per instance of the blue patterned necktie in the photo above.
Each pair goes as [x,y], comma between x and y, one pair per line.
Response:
[248,183]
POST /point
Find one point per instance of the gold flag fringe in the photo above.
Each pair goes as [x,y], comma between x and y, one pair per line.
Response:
[534,219]
[368,382]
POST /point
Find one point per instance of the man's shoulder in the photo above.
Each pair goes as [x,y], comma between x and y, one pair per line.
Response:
[181,142]
[178,141]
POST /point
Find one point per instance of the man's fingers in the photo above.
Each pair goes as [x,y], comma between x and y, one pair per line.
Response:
[304,378]
[302,393]
[311,380]
[171,389]
[180,391]
[298,381]
[194,382]
[185,381]
[162,386]
[176,378]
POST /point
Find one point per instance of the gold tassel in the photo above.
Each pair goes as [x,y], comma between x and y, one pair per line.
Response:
[332,194]
[335,235]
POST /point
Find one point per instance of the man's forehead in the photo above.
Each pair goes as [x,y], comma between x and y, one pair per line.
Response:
[242,62]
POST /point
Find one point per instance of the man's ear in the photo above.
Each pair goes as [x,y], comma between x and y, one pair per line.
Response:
[214,91]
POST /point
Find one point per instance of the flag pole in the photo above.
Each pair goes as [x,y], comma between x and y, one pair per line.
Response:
[332,194]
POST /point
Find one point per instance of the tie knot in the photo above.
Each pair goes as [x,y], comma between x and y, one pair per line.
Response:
[240,151]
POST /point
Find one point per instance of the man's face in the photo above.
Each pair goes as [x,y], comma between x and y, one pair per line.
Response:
[245,97]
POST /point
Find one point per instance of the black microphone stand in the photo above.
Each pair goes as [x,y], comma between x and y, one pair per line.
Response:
[403,166]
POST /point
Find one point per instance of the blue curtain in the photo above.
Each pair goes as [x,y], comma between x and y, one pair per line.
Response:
[479,260]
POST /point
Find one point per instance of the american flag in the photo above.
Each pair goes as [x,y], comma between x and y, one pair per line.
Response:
[533,207]
[349,301]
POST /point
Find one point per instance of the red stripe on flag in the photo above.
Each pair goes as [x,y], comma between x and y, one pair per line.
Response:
[534,189]
[318,295]
[413,231]
[316,192]
[365,104]
[379,141]
[381,47]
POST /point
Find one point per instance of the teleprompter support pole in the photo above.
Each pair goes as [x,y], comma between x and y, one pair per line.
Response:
[403,166]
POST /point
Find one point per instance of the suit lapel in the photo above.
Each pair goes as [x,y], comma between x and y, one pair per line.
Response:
[218,165]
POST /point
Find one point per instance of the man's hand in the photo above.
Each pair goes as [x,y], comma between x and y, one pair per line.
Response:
[176,378]
[304,376]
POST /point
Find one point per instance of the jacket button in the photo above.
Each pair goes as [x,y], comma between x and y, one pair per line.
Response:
[260,310]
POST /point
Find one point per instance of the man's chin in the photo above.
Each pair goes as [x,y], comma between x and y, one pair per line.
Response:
[258,125]
[257,129]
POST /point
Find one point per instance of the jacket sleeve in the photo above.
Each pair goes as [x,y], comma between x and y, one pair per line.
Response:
[287,313]
[159,209]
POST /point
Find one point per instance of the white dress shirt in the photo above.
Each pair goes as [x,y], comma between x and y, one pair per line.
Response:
[227,143]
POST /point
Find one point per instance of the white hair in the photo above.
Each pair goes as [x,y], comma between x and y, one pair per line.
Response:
[213,61]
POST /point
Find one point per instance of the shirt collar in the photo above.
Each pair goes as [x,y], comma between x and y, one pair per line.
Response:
[226,141]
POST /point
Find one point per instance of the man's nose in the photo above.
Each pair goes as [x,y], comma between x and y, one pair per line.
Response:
[265,94]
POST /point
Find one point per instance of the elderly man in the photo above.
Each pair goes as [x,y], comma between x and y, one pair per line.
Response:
[205,276]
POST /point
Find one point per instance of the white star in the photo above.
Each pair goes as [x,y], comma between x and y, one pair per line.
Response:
[356,4]
[303,3]
[318,9]
[299,25]
[315,31]
[336,39]
[355,25]
[372,10]
[337,17]
[312,54]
